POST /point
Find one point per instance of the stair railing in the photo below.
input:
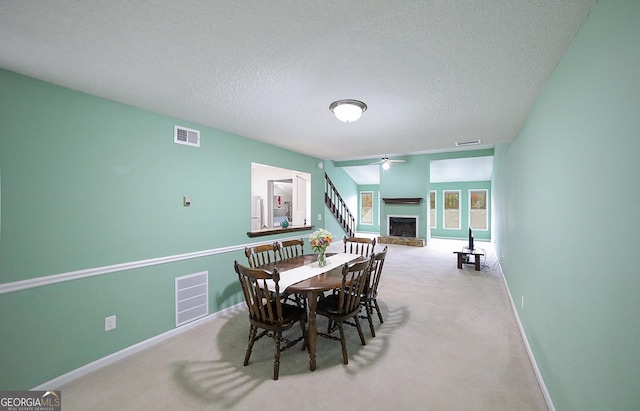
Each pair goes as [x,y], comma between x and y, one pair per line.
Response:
[338,207]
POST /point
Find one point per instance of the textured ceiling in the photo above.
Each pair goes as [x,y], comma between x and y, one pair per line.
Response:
[431,72]
[461,169]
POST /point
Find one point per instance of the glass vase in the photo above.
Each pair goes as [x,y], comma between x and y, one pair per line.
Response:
[322,259]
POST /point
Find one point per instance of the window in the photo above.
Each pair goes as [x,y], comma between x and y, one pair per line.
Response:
[366,207]
[451,209]
[433,222]
[478,210]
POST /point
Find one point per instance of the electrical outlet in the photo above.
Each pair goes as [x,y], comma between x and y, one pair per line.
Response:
[319,217]
[110,323]
[522,301]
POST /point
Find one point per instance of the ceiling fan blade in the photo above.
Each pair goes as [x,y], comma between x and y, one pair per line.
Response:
[386,160]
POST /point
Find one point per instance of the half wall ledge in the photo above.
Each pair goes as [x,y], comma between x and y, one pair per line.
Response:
[278,230]
[412,241]
[405,200]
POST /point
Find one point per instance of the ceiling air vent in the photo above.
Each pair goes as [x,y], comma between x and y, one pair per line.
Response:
[188,136]
[467,143]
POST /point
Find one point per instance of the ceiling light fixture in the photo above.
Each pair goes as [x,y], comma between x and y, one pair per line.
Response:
[386,162]
[348,111]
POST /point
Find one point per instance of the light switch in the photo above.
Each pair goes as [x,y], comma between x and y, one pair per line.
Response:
[186,201]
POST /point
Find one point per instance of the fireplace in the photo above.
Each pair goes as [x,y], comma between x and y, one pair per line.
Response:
[403,226]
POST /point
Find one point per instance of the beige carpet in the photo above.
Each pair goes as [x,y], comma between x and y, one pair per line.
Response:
[449,342]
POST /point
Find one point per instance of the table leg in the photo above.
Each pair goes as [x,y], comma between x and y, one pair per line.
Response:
[312,329]
[477,262]
[459,260]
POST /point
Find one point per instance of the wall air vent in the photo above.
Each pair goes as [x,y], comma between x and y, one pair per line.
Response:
[192,297]
[188,136]
[468,143]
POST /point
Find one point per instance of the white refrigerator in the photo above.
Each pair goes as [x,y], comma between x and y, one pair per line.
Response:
[257,211]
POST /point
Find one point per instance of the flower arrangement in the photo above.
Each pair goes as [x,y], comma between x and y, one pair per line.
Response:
[320,240]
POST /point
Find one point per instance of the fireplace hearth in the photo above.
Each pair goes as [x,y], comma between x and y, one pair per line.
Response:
[403,230]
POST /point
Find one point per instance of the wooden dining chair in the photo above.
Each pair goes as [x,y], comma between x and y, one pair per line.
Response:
[268,312]
[359,245]
[261,254]
[370,293]
[345,304]
[291,248]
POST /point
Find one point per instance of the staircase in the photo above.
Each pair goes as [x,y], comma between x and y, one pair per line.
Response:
[338,207]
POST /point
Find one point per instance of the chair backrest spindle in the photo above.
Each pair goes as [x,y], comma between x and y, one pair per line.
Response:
[258,255]
[376,273]
[291,248]
[359,245]
[354,279]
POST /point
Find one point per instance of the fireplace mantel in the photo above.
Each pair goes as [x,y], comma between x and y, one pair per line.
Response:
[406,200]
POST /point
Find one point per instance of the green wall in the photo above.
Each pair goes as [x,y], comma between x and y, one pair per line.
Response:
[88,183]
[566,221]
[406,180]
[464,188]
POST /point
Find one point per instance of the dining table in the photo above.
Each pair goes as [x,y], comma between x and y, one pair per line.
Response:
[304,276]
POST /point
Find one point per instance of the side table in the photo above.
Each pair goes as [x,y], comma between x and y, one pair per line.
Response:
[464,257]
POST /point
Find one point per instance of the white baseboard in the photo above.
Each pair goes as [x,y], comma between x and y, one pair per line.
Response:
[536,370]
[58,382]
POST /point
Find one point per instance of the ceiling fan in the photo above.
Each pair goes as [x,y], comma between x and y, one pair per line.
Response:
[386,162]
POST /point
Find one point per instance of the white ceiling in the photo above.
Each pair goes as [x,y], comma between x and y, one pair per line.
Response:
[364,175]
[431,72]
[461,169]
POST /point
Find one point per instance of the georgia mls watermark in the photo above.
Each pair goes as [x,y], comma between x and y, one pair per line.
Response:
[30,401]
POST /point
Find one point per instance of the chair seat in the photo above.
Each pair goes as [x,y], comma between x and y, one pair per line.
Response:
[290,313]
[367,294]
[331,305]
